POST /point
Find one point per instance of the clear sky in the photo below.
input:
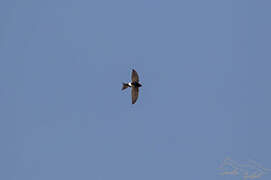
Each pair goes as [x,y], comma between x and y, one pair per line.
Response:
[205,70]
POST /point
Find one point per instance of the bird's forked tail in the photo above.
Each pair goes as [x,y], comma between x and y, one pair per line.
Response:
[124,86]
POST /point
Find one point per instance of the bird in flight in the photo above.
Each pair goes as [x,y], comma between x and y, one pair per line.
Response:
[134,85]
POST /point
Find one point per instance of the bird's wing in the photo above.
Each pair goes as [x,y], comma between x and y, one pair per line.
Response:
[135,77]
[134,94]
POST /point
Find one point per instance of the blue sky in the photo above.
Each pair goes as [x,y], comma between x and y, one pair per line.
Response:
[205,70]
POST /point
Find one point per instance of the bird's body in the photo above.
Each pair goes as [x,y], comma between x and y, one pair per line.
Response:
[134,85]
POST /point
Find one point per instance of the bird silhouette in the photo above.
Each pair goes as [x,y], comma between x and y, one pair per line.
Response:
[134,85]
